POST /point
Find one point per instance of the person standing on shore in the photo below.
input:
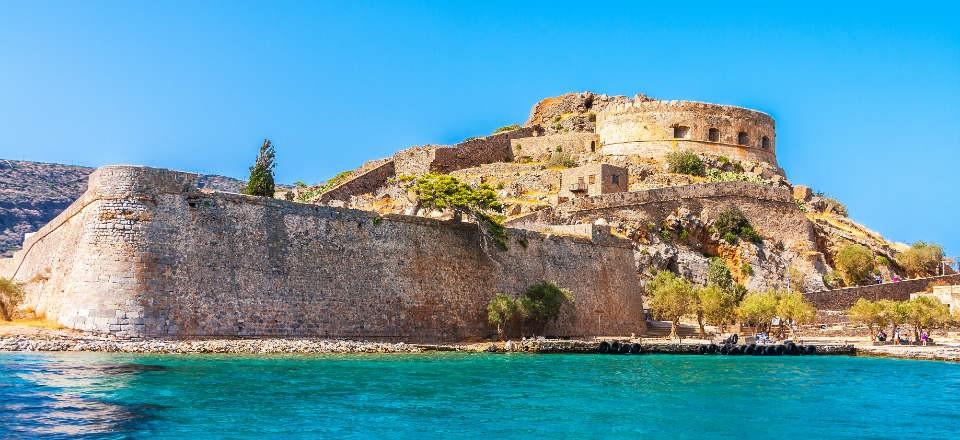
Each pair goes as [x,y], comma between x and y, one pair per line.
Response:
[923,337]
[896,337]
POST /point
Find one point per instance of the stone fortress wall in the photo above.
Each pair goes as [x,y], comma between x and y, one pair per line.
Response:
[654,128]
[432,159]
[542,148]
[145,253]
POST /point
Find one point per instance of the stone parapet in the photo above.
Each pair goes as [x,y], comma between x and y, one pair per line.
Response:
[843,299]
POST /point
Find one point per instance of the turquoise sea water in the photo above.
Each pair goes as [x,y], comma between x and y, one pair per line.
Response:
[475,396]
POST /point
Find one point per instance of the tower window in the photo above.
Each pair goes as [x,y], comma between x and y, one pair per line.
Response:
[593,146]
[742,138]
[681,131]
[615,179]
[765,143]
[713,135]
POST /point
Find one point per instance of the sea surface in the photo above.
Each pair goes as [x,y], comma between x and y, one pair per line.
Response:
[475,396]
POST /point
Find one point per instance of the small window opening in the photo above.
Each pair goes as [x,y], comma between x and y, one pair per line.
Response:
[681,132]
[615,179]
[593,179]
[765,143]
[742,138]
[593,146]
[713,135]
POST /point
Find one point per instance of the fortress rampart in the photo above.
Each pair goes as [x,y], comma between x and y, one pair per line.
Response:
[655,128]
[145,253]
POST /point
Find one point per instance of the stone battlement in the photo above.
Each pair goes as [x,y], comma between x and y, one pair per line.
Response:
[145,253]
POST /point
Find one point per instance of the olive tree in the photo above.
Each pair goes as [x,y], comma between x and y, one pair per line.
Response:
[671,298]
[873,314]
[758,309]
[792,307]
[501,311]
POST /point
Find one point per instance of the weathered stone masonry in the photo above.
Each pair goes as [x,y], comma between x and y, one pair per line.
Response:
[145,253]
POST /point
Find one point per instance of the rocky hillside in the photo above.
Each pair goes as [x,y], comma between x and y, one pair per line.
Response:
[33,193]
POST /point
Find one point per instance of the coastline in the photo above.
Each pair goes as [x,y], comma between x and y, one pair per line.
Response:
[24,339]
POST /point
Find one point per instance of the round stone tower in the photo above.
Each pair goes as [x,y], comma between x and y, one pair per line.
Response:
[655,128]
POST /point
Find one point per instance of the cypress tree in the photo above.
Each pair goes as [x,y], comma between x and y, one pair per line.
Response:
[261,173]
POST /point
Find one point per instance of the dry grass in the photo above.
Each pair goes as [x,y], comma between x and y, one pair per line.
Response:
[39,323]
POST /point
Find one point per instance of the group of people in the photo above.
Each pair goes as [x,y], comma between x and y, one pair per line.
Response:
[893,278]
[899,339]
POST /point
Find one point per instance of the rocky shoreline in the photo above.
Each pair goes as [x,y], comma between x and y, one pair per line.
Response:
[234,346]
[94,343]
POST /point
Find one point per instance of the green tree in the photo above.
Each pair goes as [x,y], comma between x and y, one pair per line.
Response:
[685,162]
[442,191]
[718,274]
[732,225]
[792,307]
[671,298]
[873,314]
[927,312]
[261,181]
[715,306]
[501,311]
[758,309]
[541,304]
[11,295]
[922,259]
[854,262]
[897,312]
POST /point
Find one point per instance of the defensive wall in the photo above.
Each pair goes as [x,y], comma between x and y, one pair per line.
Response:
[145,253]
[771,210]
[432,159]
[842,299]
[654,128]
[542,148]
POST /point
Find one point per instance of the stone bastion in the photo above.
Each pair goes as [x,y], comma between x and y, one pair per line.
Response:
[145,253]
[655,128]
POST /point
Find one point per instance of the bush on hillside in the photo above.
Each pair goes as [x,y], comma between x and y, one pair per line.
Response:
[854,262]
[685,162]
[506,128]
[732,226]
[922,259]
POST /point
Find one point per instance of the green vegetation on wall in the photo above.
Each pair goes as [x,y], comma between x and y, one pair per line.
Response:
[539,305]
[11,295]
[732,226]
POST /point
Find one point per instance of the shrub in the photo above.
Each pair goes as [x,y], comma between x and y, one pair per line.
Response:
[506,128]
[561,160]
[746,269]
[926,312]
[732,225]
[261,181]
[921,259]
[718,274]
[541,303]
[854,262]
[671,297]
[833,280]
[501,311]
[685,162]
[11,295]
[882,261]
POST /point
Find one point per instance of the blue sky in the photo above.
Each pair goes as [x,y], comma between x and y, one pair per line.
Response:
[865,95]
